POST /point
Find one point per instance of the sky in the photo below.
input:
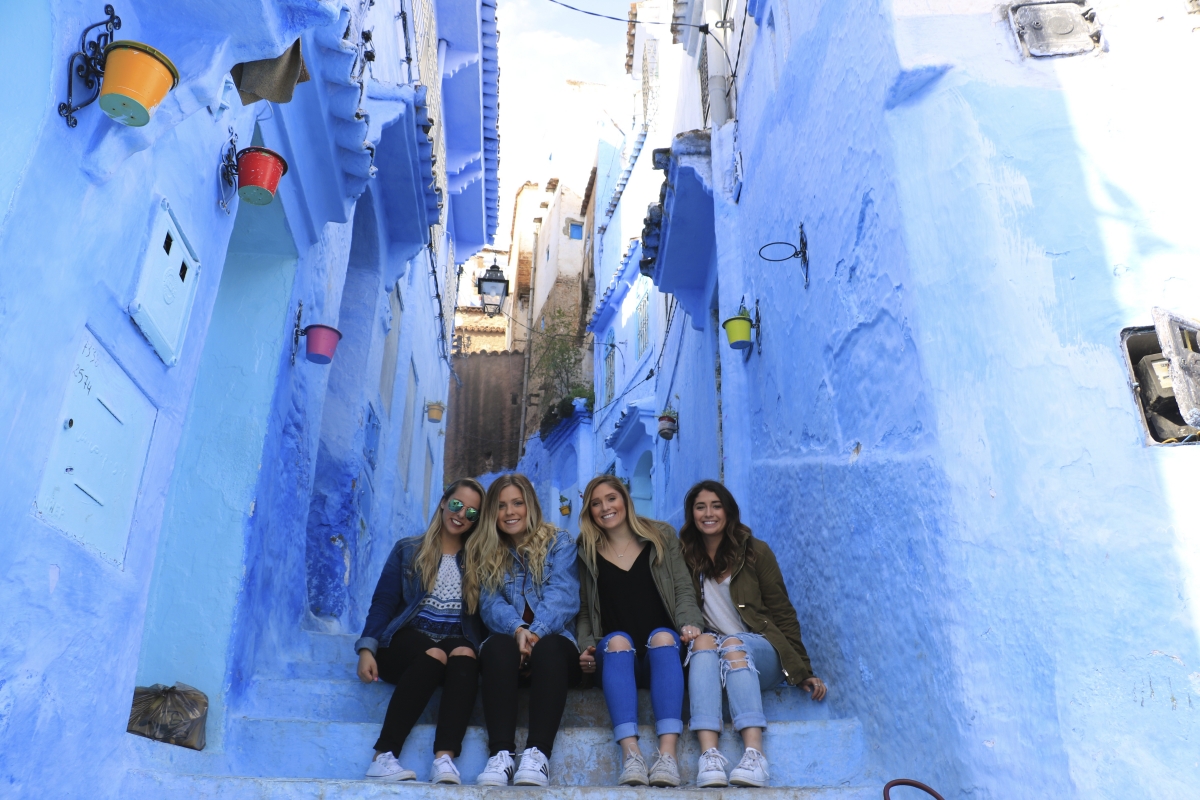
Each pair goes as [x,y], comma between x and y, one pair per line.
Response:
[561,73]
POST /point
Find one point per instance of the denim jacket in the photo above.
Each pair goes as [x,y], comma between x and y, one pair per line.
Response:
[555,601]
[398,596]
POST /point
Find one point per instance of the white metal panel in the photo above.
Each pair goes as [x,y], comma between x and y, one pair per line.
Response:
[166,286]
[102,436]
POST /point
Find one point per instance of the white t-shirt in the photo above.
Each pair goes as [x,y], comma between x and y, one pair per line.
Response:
[720,615]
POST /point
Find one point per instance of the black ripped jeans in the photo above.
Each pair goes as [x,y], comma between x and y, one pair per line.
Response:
[416,675]
[553,668]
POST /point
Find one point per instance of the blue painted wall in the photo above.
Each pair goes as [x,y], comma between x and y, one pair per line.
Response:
[211,587]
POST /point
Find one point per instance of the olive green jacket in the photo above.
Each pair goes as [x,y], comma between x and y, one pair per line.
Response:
[671,578]
[761,597]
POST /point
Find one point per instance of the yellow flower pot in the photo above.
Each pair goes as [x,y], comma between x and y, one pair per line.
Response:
[737,329]
[136,79]
[435,411]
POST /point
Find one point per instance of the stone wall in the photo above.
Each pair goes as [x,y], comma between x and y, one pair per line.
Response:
[483,423]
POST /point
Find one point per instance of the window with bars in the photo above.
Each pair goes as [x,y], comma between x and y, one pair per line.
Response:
[643,324]
[610,366]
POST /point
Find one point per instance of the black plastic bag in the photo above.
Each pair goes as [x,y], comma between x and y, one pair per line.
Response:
[172,714]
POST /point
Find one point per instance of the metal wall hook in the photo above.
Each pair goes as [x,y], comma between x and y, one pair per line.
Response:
[228,171]
[297,332]
[887,790]
[87,65]
[799,251]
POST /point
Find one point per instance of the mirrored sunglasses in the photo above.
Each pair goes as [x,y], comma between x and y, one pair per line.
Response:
[455,505]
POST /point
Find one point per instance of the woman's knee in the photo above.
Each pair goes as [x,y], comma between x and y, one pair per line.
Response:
[618,643]
[437,653]
[469,652]
[705,641]
[736,653]
[663,638]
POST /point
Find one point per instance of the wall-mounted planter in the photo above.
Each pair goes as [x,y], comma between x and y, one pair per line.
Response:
[564,506]
[434,411]
[668,426]
[737,330]
[136,79]
[258,173]
[320,343]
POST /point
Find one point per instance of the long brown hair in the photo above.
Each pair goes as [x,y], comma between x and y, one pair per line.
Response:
[692,541]
[429,555]
[488,552]
[590,533]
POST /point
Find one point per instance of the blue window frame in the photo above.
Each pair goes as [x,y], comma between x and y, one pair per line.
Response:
[575,230]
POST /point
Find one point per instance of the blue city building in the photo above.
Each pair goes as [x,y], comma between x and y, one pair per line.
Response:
[187,497]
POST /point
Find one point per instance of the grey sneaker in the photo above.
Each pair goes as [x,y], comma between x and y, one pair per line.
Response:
[498,771]
[385,767]
[535,769]
[751,770]
[634,773]
[711,769]
[665,771]
[444,771]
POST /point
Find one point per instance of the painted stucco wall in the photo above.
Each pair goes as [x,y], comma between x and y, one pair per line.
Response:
[991,569]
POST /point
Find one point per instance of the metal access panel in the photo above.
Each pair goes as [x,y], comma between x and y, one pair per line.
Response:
[101,439]
[1054,29]
[166,287]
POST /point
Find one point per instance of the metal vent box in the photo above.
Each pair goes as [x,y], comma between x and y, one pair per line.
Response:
[166,286]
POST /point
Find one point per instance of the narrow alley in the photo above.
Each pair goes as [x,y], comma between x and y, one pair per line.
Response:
[888,308]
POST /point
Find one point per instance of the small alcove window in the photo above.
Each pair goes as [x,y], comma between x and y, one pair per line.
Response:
[1164,368]
[575,230]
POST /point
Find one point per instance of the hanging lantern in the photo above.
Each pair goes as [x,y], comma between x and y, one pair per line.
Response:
[493,288]
[136,79]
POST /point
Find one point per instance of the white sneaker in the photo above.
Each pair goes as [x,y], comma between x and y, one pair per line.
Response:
[444,771]
[711,770]
[665,771]
[751,770]
[385,767]
[535,769]
[499,770]
[634,772]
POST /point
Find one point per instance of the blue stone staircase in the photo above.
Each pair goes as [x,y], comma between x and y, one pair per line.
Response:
[307,730]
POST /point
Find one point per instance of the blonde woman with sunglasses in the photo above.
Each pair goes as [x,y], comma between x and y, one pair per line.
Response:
[529,596]
[421,633]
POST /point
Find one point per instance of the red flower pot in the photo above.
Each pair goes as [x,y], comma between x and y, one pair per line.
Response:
[259,171]
[320,343]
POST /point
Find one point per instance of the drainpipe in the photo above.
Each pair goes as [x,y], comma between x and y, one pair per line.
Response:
[718,78]
[528,334]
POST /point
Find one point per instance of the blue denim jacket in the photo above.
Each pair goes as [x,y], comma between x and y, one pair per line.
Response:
[555,601]
[398,595]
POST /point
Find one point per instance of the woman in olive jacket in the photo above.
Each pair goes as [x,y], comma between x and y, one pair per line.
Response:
[636,593]
[751,637]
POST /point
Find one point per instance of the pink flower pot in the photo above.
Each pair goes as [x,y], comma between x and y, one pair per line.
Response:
[320,343]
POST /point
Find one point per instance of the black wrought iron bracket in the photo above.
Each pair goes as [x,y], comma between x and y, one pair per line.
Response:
[229,171]
[755,326]
[297,332]
[86,65]
[799,251]
[887,790]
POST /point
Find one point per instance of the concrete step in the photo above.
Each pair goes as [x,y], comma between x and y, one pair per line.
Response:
[812,753]
[355,701]
[154,785]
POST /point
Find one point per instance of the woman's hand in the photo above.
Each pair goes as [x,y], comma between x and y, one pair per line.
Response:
[368,670]
[689,632]
[587,660]
[814,686]
[526,639]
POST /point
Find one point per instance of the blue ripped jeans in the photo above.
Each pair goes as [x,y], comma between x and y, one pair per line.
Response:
[622,671]
[708,671]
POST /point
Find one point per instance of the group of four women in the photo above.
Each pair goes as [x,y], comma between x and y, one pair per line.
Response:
[493,588]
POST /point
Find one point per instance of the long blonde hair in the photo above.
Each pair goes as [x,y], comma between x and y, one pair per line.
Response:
[590,534]
[488,553]
[429,555]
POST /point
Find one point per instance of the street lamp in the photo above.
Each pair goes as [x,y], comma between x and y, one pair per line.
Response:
[493,288]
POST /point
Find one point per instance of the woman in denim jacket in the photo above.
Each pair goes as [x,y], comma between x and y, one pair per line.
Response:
[422,631]
[529,596]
